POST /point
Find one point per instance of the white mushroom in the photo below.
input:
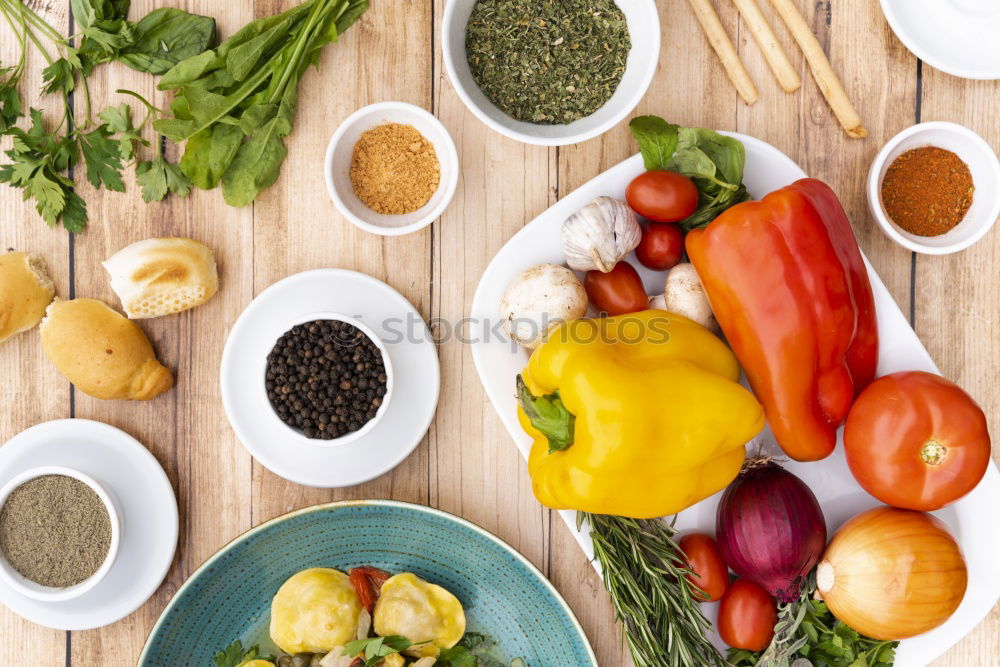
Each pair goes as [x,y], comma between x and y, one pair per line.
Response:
[537,300]
[684,294]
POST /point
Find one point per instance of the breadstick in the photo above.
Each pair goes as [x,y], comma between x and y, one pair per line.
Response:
[822,71]
[725,49]
[774,53]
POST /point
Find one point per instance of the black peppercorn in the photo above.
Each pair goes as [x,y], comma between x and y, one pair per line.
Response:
[325,378]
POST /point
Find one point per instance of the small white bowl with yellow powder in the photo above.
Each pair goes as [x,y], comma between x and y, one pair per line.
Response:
[391,168]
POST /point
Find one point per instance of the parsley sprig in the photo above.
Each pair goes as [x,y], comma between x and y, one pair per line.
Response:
[42,157]
[807,629]
[235,655]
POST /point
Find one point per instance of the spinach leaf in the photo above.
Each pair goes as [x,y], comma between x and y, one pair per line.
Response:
[166,36]
[258,161]
[209,153]
[189,70]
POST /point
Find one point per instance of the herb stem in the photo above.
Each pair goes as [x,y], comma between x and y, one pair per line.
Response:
[316,15]
[644,571]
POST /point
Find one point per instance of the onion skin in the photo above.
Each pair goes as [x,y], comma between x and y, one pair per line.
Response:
[770,528]
[892,573]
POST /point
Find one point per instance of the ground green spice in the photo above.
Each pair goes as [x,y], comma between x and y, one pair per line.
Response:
[547,61]
[55,530]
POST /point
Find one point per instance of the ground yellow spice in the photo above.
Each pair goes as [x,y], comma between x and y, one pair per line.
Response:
[394,169]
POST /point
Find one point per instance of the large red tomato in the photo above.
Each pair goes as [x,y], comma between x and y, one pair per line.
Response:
[747,616]
[710,573]
[917,441]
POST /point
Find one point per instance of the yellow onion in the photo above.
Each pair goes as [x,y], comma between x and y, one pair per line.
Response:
[891,573]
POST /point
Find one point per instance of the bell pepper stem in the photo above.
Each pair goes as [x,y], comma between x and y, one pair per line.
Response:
[547,414]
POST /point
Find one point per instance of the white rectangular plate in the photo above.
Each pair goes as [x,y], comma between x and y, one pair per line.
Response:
[767,169]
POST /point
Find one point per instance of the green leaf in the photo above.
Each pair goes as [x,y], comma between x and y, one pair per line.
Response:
[59,75]
[74,213]
[458,656]
[241,59]
[118,121]
[234,655]
[49,196]
[165,37]
[189,70]
[657,140]
[258,160]
[209,153]
[548,415]
[159,177]
[103,159]
[10,103]
[374,649]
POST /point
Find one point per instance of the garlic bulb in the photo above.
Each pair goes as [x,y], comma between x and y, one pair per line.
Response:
[600,234]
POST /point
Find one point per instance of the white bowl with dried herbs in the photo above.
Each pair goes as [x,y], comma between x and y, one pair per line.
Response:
[552,73]
[59,533]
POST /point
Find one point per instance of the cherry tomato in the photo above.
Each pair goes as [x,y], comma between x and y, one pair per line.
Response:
[704,559]
[367,582]
[617,292]
[662,196]
[917,441]
[661,247]
[747,615]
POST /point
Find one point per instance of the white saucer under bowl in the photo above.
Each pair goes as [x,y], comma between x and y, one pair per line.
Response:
[960,37]
[141,492]
[402,331]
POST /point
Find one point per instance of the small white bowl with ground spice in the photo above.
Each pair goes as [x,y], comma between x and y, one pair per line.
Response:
[59,533]
[391,168]
[935,188]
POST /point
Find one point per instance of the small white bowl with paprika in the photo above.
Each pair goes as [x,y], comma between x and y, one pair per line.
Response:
[983,168]
[412,167]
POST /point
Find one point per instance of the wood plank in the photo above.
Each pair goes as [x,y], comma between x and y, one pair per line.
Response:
[475,470]
[38,393]
[958,309]
[385,56]
[185,428]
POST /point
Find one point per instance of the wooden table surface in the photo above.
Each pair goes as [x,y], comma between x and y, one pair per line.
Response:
[466,464]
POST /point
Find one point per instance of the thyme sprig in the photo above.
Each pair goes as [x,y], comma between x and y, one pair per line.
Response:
[645,574]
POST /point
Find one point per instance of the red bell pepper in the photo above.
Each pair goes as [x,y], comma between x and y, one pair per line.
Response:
[789,288]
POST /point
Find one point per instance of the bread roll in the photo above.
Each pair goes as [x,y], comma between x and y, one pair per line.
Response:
[162,276]
[102,353]
[25,293]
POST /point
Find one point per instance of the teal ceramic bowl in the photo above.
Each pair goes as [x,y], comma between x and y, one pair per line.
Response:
[504,595]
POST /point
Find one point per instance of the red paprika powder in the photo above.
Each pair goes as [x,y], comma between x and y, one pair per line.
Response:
[927,190]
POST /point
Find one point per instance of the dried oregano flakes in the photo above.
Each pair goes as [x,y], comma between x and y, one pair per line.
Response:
[547,61]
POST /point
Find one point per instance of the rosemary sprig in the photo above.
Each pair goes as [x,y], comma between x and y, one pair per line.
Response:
[644,572]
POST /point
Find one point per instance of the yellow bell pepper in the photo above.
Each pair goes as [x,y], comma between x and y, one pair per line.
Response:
[639,415]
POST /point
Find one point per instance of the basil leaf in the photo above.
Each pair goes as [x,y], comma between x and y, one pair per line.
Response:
[657,140]
[727,153]
[165,37]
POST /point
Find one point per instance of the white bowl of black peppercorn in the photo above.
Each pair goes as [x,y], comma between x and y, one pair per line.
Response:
[44,554]
[328,379]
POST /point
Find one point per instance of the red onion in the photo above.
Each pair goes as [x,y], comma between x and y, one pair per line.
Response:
[770,528]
